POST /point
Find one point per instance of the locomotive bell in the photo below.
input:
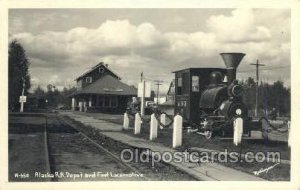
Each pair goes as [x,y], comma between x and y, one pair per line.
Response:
[232,61]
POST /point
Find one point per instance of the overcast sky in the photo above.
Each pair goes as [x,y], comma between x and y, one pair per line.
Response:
[63,43]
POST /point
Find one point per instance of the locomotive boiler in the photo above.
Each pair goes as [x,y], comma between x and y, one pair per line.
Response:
[210,98]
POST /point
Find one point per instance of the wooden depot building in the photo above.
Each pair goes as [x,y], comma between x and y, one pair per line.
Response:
[101,90]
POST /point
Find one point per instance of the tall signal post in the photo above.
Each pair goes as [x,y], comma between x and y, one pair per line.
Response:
[257,81]
[22,97]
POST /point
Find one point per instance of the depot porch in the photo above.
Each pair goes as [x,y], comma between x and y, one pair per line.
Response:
[100,103]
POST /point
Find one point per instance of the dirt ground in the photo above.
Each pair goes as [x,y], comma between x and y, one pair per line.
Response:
[279,173]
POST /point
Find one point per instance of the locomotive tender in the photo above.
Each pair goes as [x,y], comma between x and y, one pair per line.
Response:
[210,98]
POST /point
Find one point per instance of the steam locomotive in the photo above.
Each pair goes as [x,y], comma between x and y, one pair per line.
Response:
[210,98]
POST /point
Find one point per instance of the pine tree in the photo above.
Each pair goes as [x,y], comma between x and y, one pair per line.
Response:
[18,73]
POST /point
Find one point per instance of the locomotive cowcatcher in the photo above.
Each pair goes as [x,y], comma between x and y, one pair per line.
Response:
[210,98]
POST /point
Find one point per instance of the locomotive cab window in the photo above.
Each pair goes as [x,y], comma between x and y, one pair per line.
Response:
[195,83]
[179,85]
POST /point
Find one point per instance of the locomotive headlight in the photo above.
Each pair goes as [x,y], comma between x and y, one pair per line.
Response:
[238,111]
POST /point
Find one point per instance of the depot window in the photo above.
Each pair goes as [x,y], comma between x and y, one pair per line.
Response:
[101,70]
[100,101]
[88,79]
[107,101]
[113,101]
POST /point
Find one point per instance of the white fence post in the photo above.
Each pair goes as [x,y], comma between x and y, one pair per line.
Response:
[90,101]
[153,127]
[84,106]
[177,131]
[162,120]
[73,104]
[137,124]
[125,121]
[237,131]
[80,106]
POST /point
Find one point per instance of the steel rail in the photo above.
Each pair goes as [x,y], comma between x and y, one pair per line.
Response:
[116,158]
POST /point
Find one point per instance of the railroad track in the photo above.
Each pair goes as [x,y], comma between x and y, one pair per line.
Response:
[75,156]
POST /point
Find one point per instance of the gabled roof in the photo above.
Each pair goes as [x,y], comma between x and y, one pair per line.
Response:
[171,90]
[108,85]
[96,67]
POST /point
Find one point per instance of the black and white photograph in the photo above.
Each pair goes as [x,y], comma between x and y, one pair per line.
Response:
[155,94]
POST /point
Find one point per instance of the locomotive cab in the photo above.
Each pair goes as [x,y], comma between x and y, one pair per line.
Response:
[190,84]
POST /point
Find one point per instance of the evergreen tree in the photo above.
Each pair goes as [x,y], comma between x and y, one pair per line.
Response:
[18,74]
[271,96]
[39,92]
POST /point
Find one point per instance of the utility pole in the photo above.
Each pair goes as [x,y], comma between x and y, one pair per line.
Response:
[143,95]
[257,81]
[158,83]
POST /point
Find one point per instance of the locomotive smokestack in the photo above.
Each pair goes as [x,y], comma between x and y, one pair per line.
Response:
[232,61]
